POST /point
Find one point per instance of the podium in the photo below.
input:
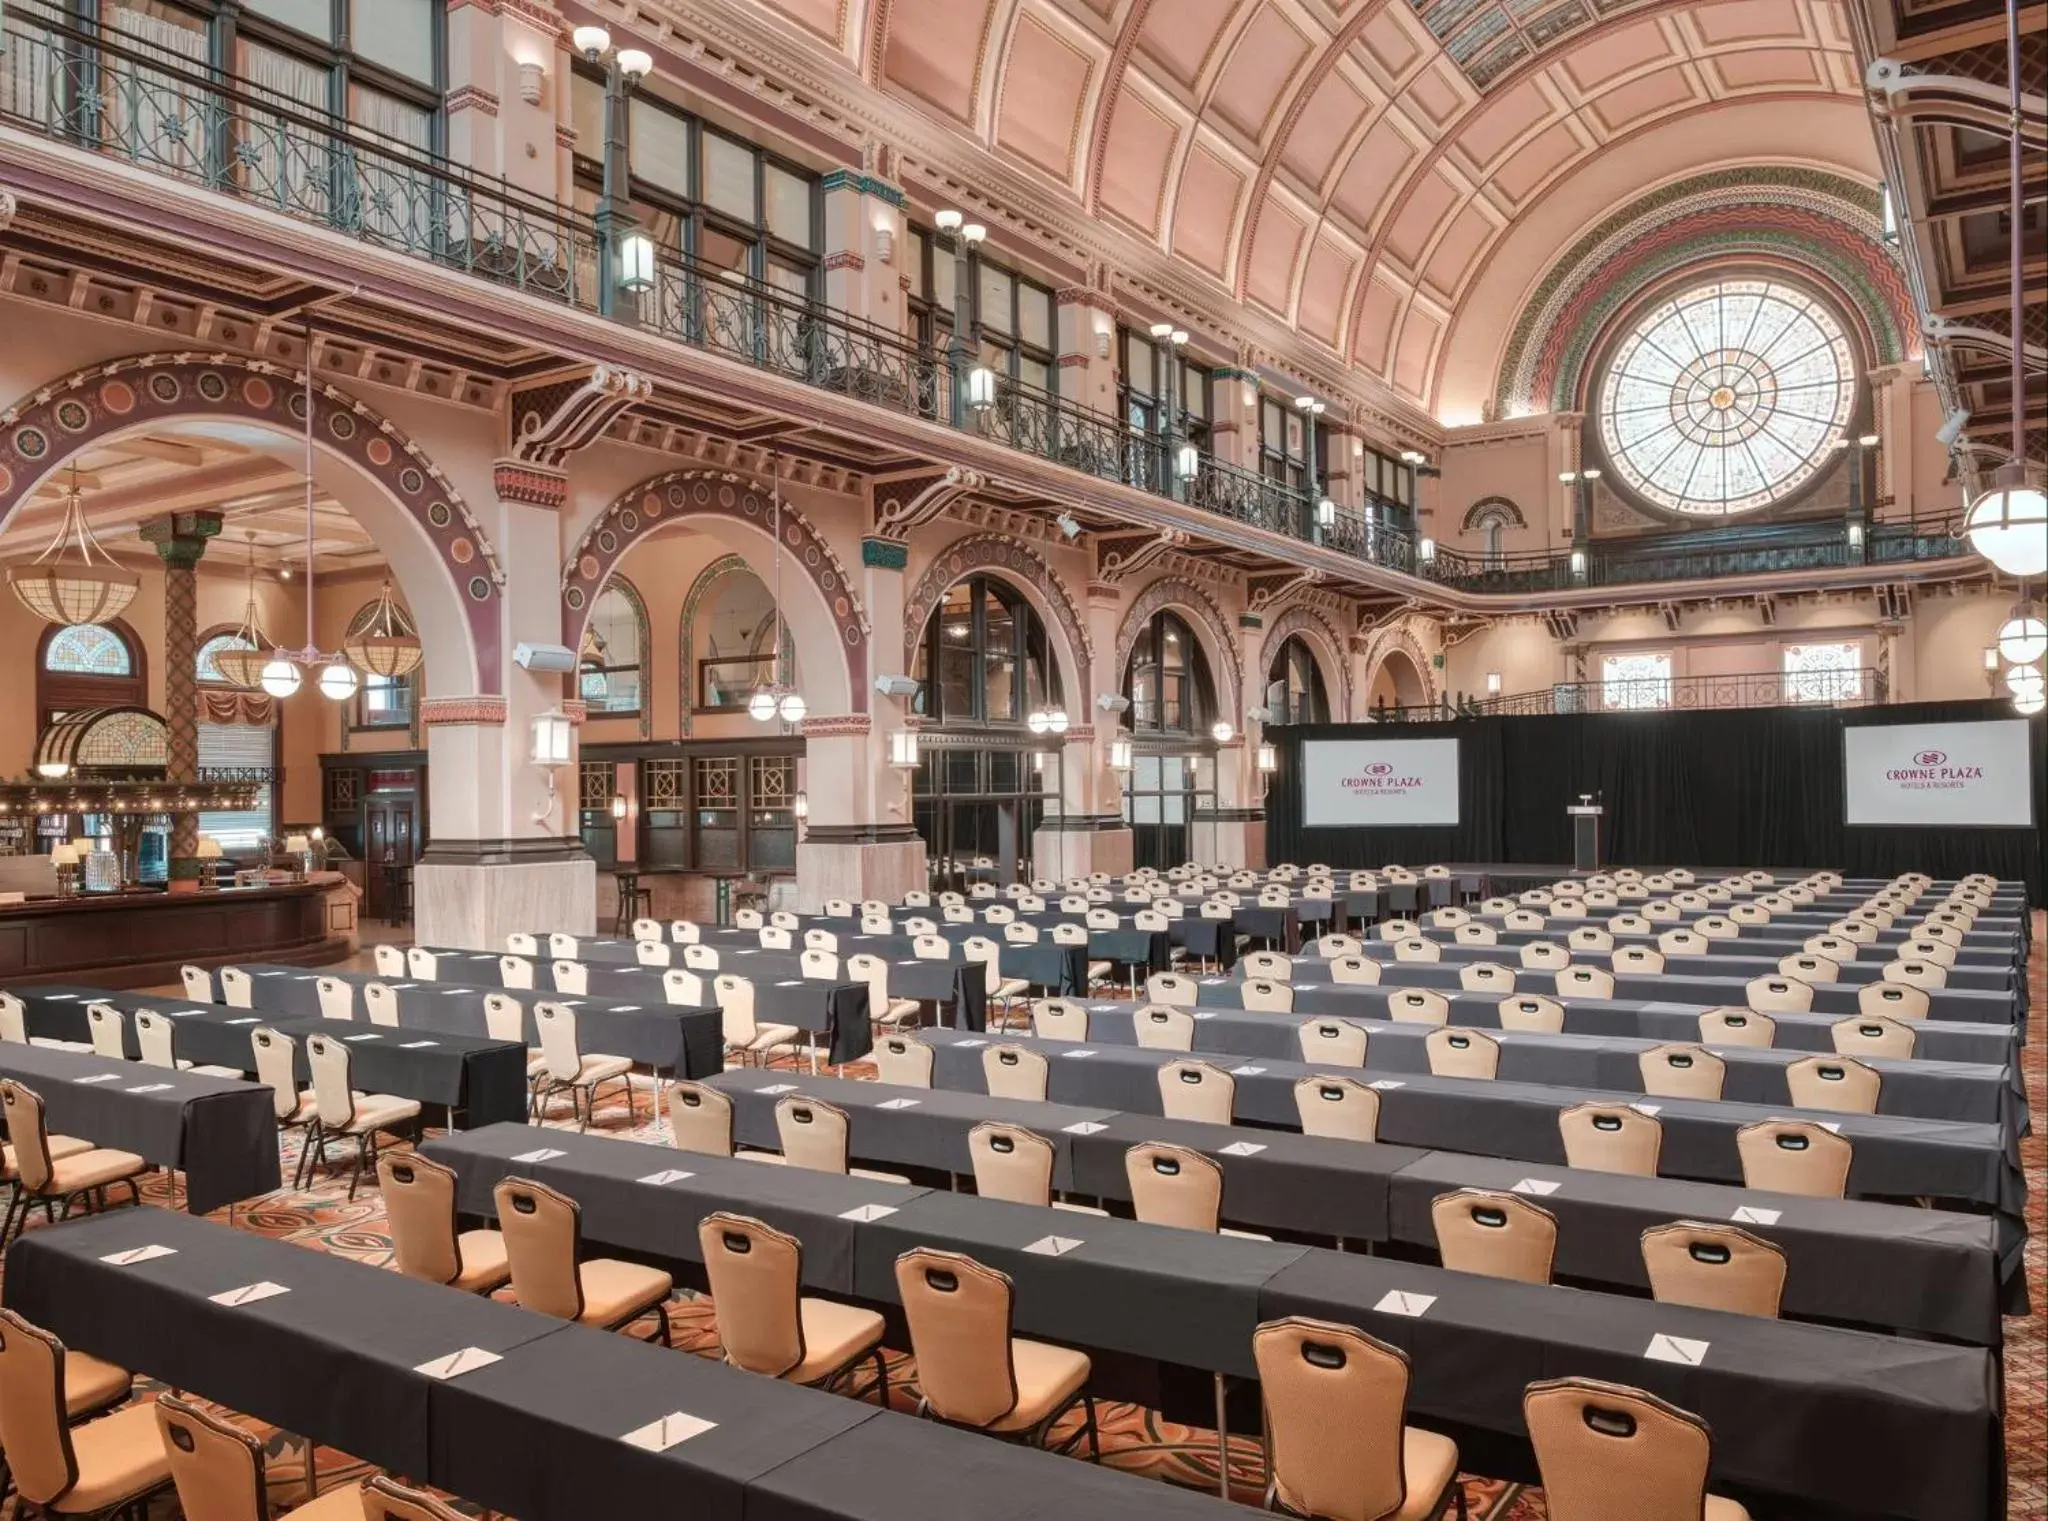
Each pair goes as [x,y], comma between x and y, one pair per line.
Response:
[1585,835]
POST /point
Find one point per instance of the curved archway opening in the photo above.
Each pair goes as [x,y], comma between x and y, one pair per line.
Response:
[1397,683]
[1295,690]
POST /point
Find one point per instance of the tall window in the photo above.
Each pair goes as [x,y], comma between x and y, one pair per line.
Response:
[1636,682]
[1168,680]
[1015,324]
[1294,686]
[609,679]
[983,659]
[1389,488]
[1823,672]
[88,665]
[1283,443]
[1146,366]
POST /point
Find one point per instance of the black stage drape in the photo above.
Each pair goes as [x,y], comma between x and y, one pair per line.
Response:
[1737,787]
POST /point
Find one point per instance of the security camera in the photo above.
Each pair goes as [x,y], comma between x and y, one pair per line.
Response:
[544,657]
[1947,434]
[1068,526]
[896,686]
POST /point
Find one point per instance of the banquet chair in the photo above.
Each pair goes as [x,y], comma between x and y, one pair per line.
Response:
[1925,975]
[970,1370]
[1738,1027]
[822,940]
[1341,1108]
[685,932]
[1605,1450]
[1881,918]
[1545,956]
[423,965]
[749,919]
[419,1199]
[649,929]
[571,977]
[1601,897]
[820,966]
[1174,988]
[947,899]
[390,960]
[1681,1071]
[1841,1084]
[745,1036]
[1523,919]
[543,1239]
[561,946]
[1779,995]
[1268,964]
[337,998]
[682,988]
[567,1068]
[782,918]
[1794,1157]
[276,1061]
[1799,896]
[153,1041]
[385,1499]
[1486,977]
[773,937]
[1750,913]
[54,1171]
[1837,948]
[904,1061]
[98,1468]
[999,913]
[1413,948]
[1418,1006]
[1335,1402]
[767,1325]
[1331,946]
[700,1119]
[1589,937]
[1011,1163]
[1898,999]
[1355,971]
[1918,949]
[1536,897]
[197,982]
[1398,929]
[218,1469]
[1476,933]
[1267,996]
[1691,902]
[1531,1014]
[1874,1035]
[14,1028]
[1684,942]
[842,908]
[1002,991]
[505,1019]
[956,913]
[1636,960]
[1855,931]
[341,1112]
[1458,1052]
[108,1031]
[1717,927]
[1018,932]
[652,953]
[238,989]
[1178,1186]
[931,947]
[1568,908]
[515,972]
[380,1004]
[1497,1235]
[1611,1138]
[1449,918]
[1808,968]
[1197,1091]
[1059,1019]
[1662,911]
[1162,1027]
[1584,982]
[1015,1072]
[1338,1042]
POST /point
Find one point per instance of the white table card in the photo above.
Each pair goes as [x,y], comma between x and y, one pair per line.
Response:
[1752,1214]
[135,1254]
[665,1177]
[543,1154]
[669,1431]
[1676,1349]
[1541,1187]
[779,1088]
[1243,1149]
[1395,1302]
[149,1088]
[417,1045]
[249,1293]
[1084,1127]
[455,1364]
[1387,1084]
[1053,1246]
[862,1214]
[899,1103]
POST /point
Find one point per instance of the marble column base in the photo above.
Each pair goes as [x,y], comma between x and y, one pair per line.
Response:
[474,907]
[884,869]
[1063,853]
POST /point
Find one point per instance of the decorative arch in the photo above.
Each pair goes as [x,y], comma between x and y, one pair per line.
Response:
[679,495]
[1324,642]
[1824,225]
[701,589]
[91,405]
[1023,567]
[1493,510]
[1225,660]
[1401,639]
[644,633]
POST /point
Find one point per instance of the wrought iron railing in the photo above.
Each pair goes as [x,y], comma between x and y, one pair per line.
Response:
[1841,686]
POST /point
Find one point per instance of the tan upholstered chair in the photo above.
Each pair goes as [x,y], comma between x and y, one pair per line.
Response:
[423,965]
[1567,909]
[341,1113]
[276,1058]
[1681,1071]
[1011,1163]
[1058,1019]
[1015,1072]
[380,1002]
[573,978]
[699,957]
[1808,968]
[1584,982]
[1337,1042]
[1335,1401]
[1271,965]
[1840,1084]
[1738,1027]
[1355,971]
[1587,937]
[565,1067]
[1339,945]
[385,1499]
[1639,960]
[1178,1186]
[218,1468]
[1896,1000]
[1608,1452]
[238,988]
[1162,1027]
[1458,1052]
[1684,942]
[970,1370]
[1175,988]
[100,1468]
[1855,931]
[1611,1138]
[1531,1014]
[1866,1035]
[1398,929]
[904,1061]
[1714,1267]
[1418,1006]
[1198,1091]
[1718,927]
[1916,973]
[419,1201]
[767,1325]
[337,998]
[682,987]
[652,952]
[1919,948]
[1414,948]
[1486,977]
[1476,933]
[543,1231]
[745,1036]
[1837,948]
[1779,994]
[649,929]
[816,1135]
[1498,1235]
[700,1119]
[1794,1157]
[198,982]
[1545,956]
[1266,996]
[153,1042]
[1339,1108]
[515,972]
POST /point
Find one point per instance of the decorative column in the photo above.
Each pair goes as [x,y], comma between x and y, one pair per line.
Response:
[865,250]
[1088,358]
[180,540]
[1234,430]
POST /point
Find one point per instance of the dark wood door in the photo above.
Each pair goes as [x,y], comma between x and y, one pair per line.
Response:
[388,840]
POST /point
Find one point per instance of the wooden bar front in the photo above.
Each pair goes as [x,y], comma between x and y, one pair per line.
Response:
[141,939]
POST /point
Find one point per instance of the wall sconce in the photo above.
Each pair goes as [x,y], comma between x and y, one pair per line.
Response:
[548,745]
[618,805]
[1493,683]
[530,77]
[1187,460]
[1221,732]
[1326,513]
[800,807]
[903,749]
[636,262]
[1269,759]
[981,388]
[1578,565]
[885,243]
[1102,343]
[1855,535]
[1425,551]
[1119,755]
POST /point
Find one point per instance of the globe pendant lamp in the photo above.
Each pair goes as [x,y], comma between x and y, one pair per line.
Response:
[386,644]
[775,700]
[2023,639]
[88,587]
[241,664]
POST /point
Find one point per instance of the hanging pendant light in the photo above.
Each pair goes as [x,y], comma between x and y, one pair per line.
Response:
[88,587]
[284,670]
[386,645]
[776,700]
[242,664]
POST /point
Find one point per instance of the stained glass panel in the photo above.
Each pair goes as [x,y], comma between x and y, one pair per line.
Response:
[1635,682]
[1823,672]
[126,740]
[88,649]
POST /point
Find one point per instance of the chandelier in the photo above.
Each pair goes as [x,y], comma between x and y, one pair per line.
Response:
[385,645]
[242,663]
[88,587]
[283,671]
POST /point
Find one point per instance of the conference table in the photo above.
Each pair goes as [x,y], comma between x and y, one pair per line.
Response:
[1851,1421]
[520,1412]
[1884,1266]
[220,1132]
[1738,958]
[1127,945]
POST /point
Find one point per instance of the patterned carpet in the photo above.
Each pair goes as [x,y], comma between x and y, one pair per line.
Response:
[1134,1438]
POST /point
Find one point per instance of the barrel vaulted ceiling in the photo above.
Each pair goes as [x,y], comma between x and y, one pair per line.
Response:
[1361,169]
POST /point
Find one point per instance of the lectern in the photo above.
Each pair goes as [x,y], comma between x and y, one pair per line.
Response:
[1585,816]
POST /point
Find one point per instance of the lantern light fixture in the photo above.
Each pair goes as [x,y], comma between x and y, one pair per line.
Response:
[2023,638]
[86,587]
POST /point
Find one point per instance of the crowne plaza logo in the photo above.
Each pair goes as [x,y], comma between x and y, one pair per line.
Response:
[1380,777]
[1932,771]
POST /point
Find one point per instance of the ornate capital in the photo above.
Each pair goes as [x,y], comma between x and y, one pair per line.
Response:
[10,207]
[576,710]
[864,184]
[482,710]
[885,554]
[530,485]
[180,537]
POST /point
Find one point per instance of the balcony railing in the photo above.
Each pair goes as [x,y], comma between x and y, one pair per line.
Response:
[1834,687]
[71,82]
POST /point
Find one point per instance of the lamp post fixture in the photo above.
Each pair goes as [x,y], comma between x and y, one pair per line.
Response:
[625,254]
[1581,482]
[1310,409]
[1856,527]
[973,385]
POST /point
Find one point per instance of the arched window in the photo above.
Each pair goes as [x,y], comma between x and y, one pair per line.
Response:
[206,670]
[733,641]
[1168,680]
[611,659]
[88,665]
[1294,686]
[1491,517]
[88,649]
[383,702]
[983,658]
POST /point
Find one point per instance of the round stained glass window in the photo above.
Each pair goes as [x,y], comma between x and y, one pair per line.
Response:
[1727,398]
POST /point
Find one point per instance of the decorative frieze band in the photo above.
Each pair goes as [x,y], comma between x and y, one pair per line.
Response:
[530,485]
[477,709]
[836,726]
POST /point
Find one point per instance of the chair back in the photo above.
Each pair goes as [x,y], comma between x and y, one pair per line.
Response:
[1682,1071]
[1584,982]
[1714,1267]
[1568,908]
[756,1274]
[1355,971]
[520,943]
[1738,1027]
[685,932]
[1531,1014]
[1611,1138]
[238,988]
[1449,918]
[381,1004]
[1337,1042]
[813,1133]
[216,1465]
[1523,919]
[1896,1000]
[515,971]
[700,957]
[1174,1185]
[649,929]
[773,937]
[1545,956]
[748,919]
[277,1067]
[1919,948]
[1163,1027]
[1637,959]
[197,982]
[1418,1006]
[1398,929]
[823,966]
[1779,994]
[1476,933]
[1457,1052]
[1015,1072]
[1171,988]
[1213,909]
[1717,927]
[1068,934]
[424,965]
[562,947]
[1855,931]
[1914,973]
[1837,948]
[390,960]
[1321,1379]
[735,998]
[1268,964]
[1794,1157]
[385,1499]
[556,1025]
[1339,945]
[1588,937]
[904,1061]
[333,1087]
[1809,968]
[1486,977]
[108,1030]
[820,940]
[652,953]
[337,998]
[1683,942]
[1498,1235]
[33,1427]
[931,948]
[782,918]
[541,1229]
[504,1018]
[1867,1035]
[572,977]
[959,1316]
[1341,1108]
[1268,996]
[1011,1163]
[153,1039]
[1607,1452]
[1414,948]
[1101,918]
[1198,1091]
[1840,1084]
[1058,1019]
[419,1197]
[999,913]
[30,1137]
[13,1021]
[700,1119]
[1020,932]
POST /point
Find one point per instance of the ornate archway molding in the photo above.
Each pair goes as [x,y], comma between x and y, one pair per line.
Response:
[1494,508]
[59,420]
[1016,562]
[1323,640]
[677,496]
[1225,658]
[1401,636]
[700,589]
